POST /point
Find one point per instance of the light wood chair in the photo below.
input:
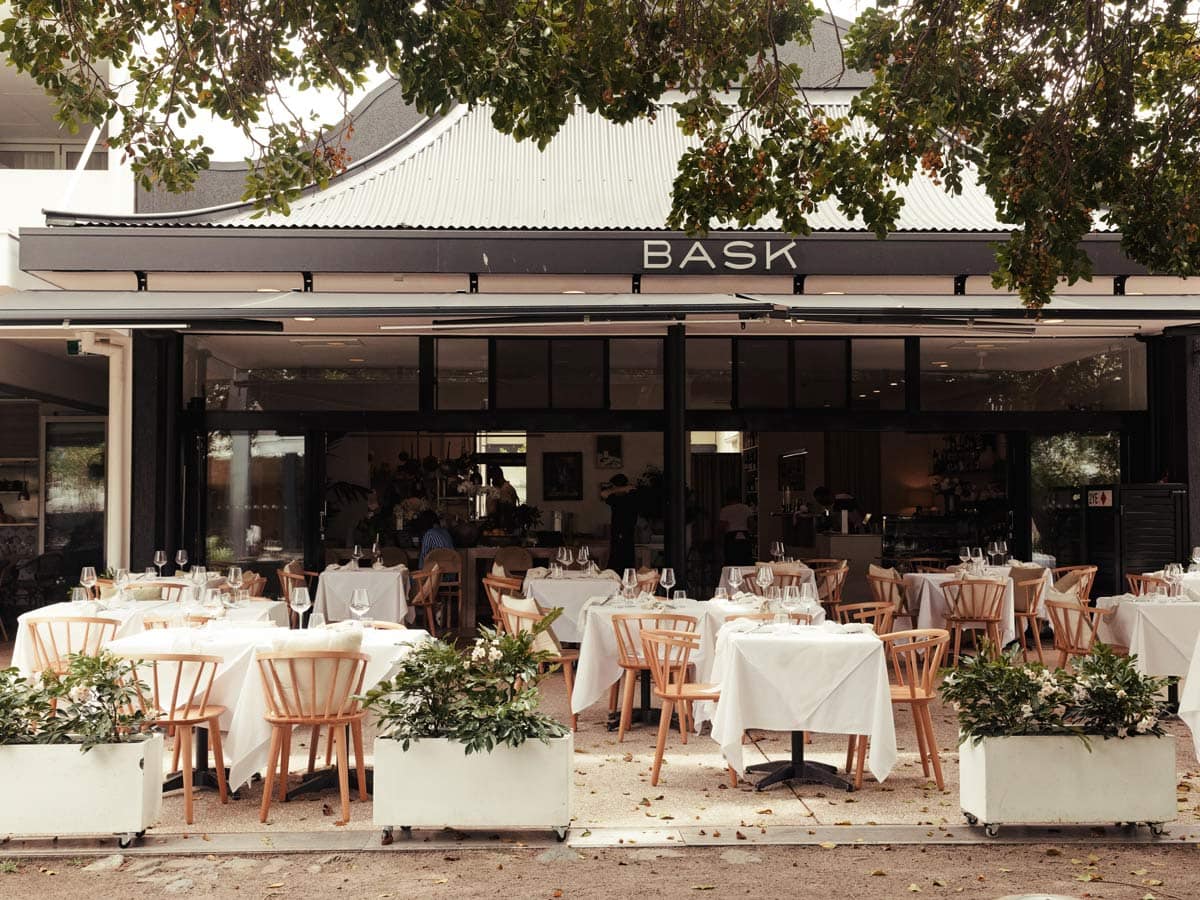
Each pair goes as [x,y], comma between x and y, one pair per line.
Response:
[647,580]
[1086,578]
[56,638]
[380,625]
[514,560]
[152,622]
[971,603]
[1141,585]
[518,620]
[668,654]
[794,617]
[180,685]
[1027,600]
[830,582]
[1075,628]
[425,583]
[822,562]
[449,593]
[289,579]
[628,628]
[878,615]
[886,589]
[494,588]
[915,657]
[929,564]
[254,585]
[314,689]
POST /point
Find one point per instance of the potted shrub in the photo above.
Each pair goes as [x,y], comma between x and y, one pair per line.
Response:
[74,756]
[1042,746]
[462,744]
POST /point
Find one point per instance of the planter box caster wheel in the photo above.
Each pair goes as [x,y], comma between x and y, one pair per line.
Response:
[386,838]
[991,830]
[560,834]
[971,818]
[125,841]
[1157,828]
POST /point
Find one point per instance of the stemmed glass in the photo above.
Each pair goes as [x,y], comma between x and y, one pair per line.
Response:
[629,581]
[212,603]
[376,553]
[791,597]
[763,578]
[160,560]
[1002,547]
[120,582]
[199,581]
[300,603]
[87,577]
[356,554]
[181,558]
[584,555]
[977,559]
[777,550]
[993,550]
[1173,575]
[667,580]
[735,580]
[360,604]
[808,596]
[964,555]
[236,578]
[79,596]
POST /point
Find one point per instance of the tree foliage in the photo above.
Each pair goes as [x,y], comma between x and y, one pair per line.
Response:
[1070,113]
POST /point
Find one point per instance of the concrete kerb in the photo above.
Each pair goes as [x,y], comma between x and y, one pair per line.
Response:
[825,837]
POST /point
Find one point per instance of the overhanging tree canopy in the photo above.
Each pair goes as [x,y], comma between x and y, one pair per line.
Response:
[1069,112]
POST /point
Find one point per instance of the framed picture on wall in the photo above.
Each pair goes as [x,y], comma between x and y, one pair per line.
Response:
[608,451]
[562,475]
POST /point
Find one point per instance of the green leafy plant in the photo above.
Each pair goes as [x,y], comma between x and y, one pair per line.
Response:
[1002,695]
[481,698]
[94,702]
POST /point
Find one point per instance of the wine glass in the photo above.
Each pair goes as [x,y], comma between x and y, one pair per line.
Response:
[964,555]
[629,581]
[360,604]
[230,600]
[667,580]
[181,558]
[568,558]
[1002,547]
[120,582]
[160,560]
[585,555]
[87,577]
[376,552]
[808,596]
[300,602]
[721,593]
[735,580]
[236,578]
[356,554]
[212,603]
[763,577]
[80,596]
[977,558]
[777,550]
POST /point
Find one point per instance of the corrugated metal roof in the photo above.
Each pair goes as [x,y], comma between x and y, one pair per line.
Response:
[594,175]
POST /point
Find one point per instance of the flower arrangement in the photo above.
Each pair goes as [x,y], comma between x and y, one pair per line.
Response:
[94,702]
[996,696]
[482,698]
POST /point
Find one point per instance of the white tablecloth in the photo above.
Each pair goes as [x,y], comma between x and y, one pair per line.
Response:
[1162,633]
[749,572]
[924,592]
[803,678]
[387,588]
[238,684]
[1189,699]
[569,592]
[599,667]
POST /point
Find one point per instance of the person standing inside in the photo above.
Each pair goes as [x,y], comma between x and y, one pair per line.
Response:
[619,495]
[734,525]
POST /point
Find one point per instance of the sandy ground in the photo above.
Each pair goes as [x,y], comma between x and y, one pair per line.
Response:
[1161,873]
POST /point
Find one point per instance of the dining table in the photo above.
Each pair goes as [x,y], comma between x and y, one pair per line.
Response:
[1160,631]
[828,678]
[807,576]
[925,594]
[1189,697]
[237,684]
[387,588]
[569,591]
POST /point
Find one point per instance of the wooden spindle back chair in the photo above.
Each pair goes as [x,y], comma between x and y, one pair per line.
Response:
[56,638]
[515,561]
[1027,602]
[1141,585]
[494,588]
[426,583]
[316,689]
[830,582]
[519,620]
[647,580]
[889,589]
[1087,577]
[450,587]
[974,602]
[630,656]
[879,615]
[289,579]
[1075,628]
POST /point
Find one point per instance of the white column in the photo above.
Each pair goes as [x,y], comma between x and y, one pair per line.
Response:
[118,438]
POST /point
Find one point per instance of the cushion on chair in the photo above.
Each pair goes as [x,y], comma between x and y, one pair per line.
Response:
[881,572]
[498,570]
[1071,595]
[343,640]
[1069,580]
[544,641]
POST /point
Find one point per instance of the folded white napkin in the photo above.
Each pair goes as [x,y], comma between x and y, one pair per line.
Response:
[537,572]
[744,597]
[332,567]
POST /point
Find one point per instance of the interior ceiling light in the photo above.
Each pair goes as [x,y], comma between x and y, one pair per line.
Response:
[1053,321]
[356,359]
[304,318]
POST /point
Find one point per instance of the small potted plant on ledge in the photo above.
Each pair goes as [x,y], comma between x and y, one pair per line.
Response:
[462,743]
[1043,746]
[74,756]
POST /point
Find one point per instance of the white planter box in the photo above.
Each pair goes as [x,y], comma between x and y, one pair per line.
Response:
[1056,779]
[434,784]
[57,790]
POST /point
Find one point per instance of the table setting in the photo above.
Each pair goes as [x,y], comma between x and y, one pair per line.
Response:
[926,597]
[558,587]
[1161,630]
[828,678]
[386,588]
[732,577]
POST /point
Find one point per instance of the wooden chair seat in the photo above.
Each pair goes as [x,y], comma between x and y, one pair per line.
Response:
[426,582]
[1028,601]
[974,604]
[517,621]
[496,587]
[631,654]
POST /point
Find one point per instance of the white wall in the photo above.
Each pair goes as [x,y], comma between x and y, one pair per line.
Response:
[639,449]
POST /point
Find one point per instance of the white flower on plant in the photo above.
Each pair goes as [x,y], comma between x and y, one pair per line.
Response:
[494,654]
[1121,693]
[1122,732]
[80,694]
[1026,710]
[480,652]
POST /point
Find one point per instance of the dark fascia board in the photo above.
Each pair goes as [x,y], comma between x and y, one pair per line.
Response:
[103,248]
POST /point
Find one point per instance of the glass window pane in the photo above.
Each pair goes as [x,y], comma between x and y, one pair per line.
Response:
[877,374]
[255,499]
[1033,374]
[462,373]
[75,492]
[292,372]
[1059,465]
[15,158]
[762,372]
[522,380]
[98,159]
[820,374]
[709,373]
[577,374]
[635,373]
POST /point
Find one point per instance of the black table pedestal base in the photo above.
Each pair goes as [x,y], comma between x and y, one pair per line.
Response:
[203,775]
[326,779]
[799,769]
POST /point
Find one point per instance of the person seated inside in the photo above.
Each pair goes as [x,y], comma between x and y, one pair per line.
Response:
[433,535]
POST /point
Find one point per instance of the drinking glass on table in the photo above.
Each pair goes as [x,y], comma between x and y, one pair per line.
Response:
[376,552]
[568,558]
[667,580]
[87,577]
[735,579]
[585,556]
[763,577]
[230,600]
[964,555]
[181,558]
[120,582]
[808,595]
[992,552]
[300,602]
[160,560]
[721,593]
[148,573]
[1002,546]
[679,596]
[356,554]
[360,604]
[212,603]
[777,550]
[79,597]
[629,582]
[977,559]
[236,577]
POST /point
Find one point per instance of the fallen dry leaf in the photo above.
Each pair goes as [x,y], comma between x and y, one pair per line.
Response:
[878,872]
[913,889]
[828,845]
